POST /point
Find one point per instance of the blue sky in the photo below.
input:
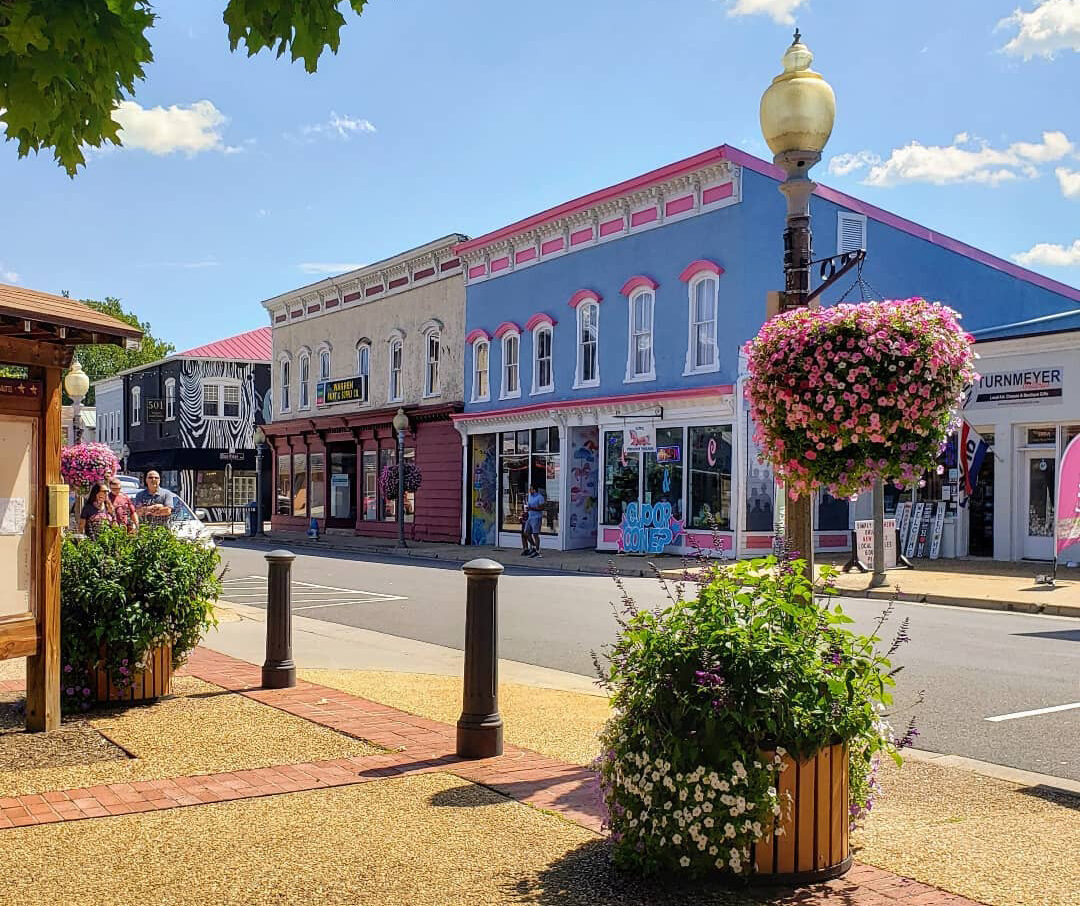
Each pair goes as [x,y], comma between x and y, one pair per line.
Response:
[438,117]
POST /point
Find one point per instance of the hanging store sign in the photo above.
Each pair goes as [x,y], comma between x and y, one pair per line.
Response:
[639,439]
[329,392]
[647,528]
[155,410]
[19,387]
[1022,385]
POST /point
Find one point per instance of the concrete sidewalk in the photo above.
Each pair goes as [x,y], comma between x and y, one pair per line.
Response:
[987,584]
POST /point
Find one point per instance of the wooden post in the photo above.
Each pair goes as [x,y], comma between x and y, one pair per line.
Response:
[43,668]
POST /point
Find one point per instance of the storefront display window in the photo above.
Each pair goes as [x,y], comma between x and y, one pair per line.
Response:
[1068,432]
[410,496]
[388,504]
[300,485]
[210,488]
[343,485]
[833,514]
[621,477]
[544,475]
[371,485]
[318,485]
[710,477]
[513,478]
[664,471]
[284,485]
[762,505]
[244,488]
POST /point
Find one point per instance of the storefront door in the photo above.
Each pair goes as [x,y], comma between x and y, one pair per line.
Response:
[1039,485]
[342,486]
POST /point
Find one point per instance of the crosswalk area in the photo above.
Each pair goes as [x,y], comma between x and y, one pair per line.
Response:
[305,595]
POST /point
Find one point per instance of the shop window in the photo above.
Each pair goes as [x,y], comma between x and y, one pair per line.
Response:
[431,364]
[702,354]
[387,502]
[371,485]
[363,368]
[244,488]
[481,391]
[710,478]
[639,364]
[284,485]
[299,484]
[833,514]
[544,468]
[170,399]
[1068,434]
[587,373]
[136,406]
[511,366]
[621,477]
[1039,437]
[317,495]
[664,470]
[343,483]
[514,478]
[543,379]
[305,378]
[396,387]
[210,488]
[286,380]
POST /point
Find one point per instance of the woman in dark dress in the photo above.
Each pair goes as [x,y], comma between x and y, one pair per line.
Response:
[96,513]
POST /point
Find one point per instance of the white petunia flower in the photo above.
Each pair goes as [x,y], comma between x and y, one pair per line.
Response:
[708,822]
[729,830]
[684,862]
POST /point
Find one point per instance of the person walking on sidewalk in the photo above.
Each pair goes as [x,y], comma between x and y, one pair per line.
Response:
[534,511]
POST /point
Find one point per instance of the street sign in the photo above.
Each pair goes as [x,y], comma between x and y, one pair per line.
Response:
[155,410]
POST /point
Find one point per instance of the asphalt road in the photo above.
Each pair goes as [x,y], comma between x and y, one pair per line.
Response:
[972,664]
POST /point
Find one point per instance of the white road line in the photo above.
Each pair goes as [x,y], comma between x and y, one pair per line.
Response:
[343,603]
[1017,714]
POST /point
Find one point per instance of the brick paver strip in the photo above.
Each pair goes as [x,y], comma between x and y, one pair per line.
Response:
[421,746]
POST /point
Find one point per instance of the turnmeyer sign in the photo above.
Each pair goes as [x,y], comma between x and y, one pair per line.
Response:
[329,392]
[1022,385]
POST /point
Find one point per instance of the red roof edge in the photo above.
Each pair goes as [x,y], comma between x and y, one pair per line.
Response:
[253,346]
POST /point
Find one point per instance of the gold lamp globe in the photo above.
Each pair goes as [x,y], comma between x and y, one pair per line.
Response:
[798,108]
[77,382]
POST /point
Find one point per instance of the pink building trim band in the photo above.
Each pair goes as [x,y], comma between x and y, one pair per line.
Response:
[505,328]
[538,319]
[477,333]
[691,393]
[585,295]
[696,267]
[637,283]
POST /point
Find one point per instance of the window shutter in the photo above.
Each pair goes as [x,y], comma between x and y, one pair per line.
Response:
[850,232]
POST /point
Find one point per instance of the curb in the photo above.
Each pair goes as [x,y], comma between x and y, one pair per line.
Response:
[882,594]
[996,771]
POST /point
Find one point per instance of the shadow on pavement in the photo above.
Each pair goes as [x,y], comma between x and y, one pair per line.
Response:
[1064,635]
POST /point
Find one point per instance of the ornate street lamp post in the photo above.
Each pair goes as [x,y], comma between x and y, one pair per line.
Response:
[259,438]
[76,383]
[401,424]
[797,112]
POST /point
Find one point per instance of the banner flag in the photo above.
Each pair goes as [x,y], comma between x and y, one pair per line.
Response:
[1067,530]
[972,452]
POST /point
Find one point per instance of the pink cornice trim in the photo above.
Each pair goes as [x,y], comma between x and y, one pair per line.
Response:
[552,245]
[612,226]
[584,295]
[696,267]
[715,193]
[477,270]
[500,264]
[477,333]
[506,327]
[588,403]
[646,216]
[636,283]
[525,255]
[579,236]
[678,205]
[538,319]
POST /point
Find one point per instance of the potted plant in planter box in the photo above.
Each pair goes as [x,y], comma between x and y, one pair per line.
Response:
[748,724]
[131,609]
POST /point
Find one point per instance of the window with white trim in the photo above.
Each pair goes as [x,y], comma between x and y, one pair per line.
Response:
[211,395]
[396,384]
[286,380]
[170,399]
[587,371]
[639,362]
[431,363]
[481,388]
[363,368]
[511,366]
[850,232]
[543,376]
[702,354]
[305,379]
[324,364]
[136,406]
[221,399]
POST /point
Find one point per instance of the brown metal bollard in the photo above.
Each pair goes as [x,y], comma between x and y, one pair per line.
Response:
[480,727]
[278,670]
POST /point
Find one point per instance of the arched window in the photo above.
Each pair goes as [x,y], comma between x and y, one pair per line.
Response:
[170,399]
[543,375]
[397,389]
[431,363]
[363,367]
[702,354]
[587,372]
[305,379]
[285,367]
[511,365]
[481,388]
[324,364]
[136,406]
[639,359]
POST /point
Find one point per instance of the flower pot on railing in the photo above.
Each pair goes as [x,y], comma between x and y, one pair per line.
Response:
[813,844]
[145,684]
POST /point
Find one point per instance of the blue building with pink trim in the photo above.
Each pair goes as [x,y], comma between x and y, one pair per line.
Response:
[603,352]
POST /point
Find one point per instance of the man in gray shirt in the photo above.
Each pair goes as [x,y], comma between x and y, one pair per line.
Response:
[154,504]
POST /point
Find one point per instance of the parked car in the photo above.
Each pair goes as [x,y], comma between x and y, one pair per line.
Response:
[184,523]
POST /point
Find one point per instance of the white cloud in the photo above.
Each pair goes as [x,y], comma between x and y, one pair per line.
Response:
[341,126]
[1069,180]
[780,10]
[845,164]
[1050,255]
[8,275]
[1051,26]
[325,268]
[164,130]
[967,159]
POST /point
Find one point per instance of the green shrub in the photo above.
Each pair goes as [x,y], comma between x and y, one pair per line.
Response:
[125,594]
[701,689]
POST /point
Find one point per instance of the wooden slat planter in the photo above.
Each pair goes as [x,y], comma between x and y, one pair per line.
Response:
[149,684]
[814,844]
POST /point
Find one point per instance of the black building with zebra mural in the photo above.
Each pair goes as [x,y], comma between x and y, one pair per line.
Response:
[191,416]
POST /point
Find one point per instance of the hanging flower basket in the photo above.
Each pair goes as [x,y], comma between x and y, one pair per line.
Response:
[388,479]
[846,395]
[83,464]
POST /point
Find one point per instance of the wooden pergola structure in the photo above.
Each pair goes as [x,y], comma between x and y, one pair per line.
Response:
[38,333]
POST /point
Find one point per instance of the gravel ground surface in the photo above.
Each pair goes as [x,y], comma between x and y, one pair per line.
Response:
[15,668]
[427,840]
[201,729]
[985,839]
[560,724]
